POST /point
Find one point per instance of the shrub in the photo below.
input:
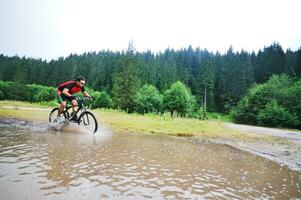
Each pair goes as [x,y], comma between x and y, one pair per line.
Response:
[46,94]
[178,99]
[101,100]
[148,99]
[277,101]
[5,88]
[275,115]
[1,95]
[31,93]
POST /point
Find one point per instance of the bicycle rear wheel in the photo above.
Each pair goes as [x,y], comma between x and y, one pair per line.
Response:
[53,114]
[88,121]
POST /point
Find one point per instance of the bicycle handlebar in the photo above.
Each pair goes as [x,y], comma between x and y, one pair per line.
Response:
[83,100]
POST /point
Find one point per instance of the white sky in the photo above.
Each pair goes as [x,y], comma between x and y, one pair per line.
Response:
[49,29]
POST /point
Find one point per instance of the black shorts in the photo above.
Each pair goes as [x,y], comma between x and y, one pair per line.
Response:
[62,98]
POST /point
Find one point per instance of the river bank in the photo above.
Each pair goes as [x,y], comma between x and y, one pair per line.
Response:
[279,145]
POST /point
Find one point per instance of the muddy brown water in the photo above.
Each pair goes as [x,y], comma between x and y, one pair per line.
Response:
[38,163]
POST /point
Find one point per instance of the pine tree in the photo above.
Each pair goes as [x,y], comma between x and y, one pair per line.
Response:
[22,72]
[298,63]
[272,61]
[290,62]
[126,81]
[21,78]
[205,85]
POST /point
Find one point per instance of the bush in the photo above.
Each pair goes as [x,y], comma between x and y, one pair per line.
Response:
[148,99]
[277,101]
[18,91]
[5,88]
[1,95]
[31,93]
[33,90]
[244,112]
[46,94]
[179,100]
[275,115]
[101,100]
[193,111]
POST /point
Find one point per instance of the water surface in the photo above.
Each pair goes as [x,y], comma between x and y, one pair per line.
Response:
[38,163]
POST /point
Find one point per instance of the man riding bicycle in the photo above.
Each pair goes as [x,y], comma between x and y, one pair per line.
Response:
[65,93]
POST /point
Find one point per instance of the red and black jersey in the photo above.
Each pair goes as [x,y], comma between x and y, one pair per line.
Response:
[71,86]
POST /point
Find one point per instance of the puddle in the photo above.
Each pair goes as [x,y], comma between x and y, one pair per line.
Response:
[73,164]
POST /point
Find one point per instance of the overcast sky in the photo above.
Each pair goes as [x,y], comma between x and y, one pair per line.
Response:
[49,29]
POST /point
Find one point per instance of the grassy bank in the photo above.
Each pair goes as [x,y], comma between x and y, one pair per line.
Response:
[16,109]
[163,124]
[134,123]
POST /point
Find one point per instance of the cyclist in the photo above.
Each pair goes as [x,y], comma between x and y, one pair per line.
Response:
[65,93]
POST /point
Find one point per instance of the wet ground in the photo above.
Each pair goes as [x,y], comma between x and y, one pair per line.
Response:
[291,135]
[284,148]
[39,163]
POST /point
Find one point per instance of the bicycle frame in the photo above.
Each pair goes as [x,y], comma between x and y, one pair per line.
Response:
[81,108]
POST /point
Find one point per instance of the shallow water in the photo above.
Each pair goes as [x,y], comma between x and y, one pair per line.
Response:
[38,163]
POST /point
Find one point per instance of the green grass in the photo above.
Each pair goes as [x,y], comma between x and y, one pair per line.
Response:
[164,124]
[19,113]
[27,104]
[136,123]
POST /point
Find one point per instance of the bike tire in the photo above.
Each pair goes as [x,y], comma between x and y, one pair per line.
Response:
[88,121]
[53,114]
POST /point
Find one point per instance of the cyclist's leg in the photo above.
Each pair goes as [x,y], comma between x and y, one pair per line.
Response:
[62,100]
[74,109]
[61,108]
[74,105]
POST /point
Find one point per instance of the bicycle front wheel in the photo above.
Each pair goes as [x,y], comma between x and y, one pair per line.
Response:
[88,121]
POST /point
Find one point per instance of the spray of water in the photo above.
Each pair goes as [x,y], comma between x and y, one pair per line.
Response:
[75,128]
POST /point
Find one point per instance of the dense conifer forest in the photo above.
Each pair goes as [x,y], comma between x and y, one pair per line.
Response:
[224,79]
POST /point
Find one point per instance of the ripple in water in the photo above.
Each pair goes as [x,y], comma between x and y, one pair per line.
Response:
[71,164]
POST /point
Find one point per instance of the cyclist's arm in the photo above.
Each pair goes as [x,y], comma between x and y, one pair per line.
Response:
[86,94]
[66,92]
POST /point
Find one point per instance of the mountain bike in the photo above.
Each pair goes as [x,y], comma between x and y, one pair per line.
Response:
[82,116]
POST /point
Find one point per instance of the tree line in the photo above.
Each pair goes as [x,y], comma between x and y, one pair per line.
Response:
[223,78]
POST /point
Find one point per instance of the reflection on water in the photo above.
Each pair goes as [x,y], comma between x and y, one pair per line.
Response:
[36,163]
